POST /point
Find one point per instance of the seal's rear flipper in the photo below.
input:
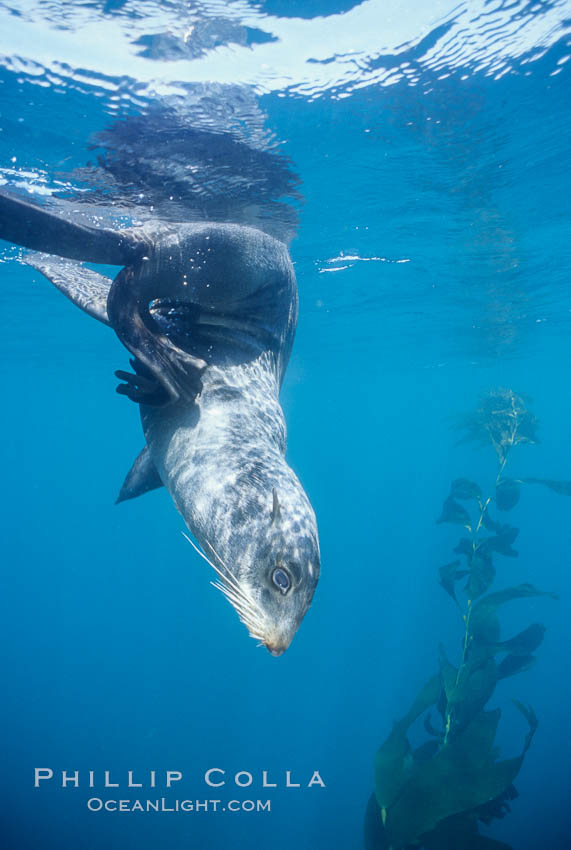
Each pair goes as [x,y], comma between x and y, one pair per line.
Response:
[141,478]
[87,289]
[40,229]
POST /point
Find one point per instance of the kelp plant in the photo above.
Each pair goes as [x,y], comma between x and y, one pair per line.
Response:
[434,797]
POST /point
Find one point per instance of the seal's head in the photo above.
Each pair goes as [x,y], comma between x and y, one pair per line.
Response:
[286,572]
[270,567]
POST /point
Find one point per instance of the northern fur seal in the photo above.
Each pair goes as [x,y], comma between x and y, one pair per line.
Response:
[209,313]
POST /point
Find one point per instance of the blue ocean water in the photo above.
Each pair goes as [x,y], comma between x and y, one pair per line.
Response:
[433,257]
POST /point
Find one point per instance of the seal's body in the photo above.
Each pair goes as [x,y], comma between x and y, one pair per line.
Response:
[209,312]
[223,464]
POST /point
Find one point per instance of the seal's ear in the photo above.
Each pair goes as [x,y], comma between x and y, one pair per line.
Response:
[276,510]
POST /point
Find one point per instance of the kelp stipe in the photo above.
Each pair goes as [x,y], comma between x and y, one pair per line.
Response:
[435,797]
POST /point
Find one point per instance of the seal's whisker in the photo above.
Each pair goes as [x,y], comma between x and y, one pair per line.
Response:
[228,577]
[198,550]
[239,604]
[252,625]
[218,558]
[239,597]
[237,594]
[245,606]
[246,615]
[231,580]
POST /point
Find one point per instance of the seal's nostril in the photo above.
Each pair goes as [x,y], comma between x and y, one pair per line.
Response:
[275,651]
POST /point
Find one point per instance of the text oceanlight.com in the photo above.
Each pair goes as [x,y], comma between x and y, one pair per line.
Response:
[96,804]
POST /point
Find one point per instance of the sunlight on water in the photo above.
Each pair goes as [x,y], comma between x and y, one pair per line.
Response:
[373,43]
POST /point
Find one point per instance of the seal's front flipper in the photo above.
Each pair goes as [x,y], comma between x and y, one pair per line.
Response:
[40,229]
[87,289]
[141,386]
[141,478]
[157,356]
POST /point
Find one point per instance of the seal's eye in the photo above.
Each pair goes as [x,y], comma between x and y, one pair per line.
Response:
[281,579]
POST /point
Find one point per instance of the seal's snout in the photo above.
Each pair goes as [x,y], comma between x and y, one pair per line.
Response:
[279,641]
